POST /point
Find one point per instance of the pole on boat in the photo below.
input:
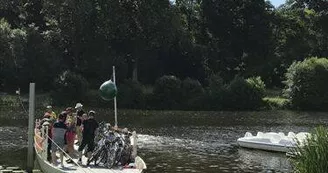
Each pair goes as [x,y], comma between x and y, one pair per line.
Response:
[115,103]
[31,109]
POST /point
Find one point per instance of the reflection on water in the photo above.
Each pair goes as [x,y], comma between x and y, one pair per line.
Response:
[187,141]
[250,159]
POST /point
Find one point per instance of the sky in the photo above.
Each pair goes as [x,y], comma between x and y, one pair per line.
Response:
[277,3]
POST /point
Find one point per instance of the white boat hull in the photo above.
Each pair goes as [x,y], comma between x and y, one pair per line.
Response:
[45,166]
[271,141]
[264,146]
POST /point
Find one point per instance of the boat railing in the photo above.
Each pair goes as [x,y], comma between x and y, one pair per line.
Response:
[42,138]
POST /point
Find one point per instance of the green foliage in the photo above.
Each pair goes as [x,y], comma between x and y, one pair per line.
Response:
[40,39]
[131,95]
[215,93]
[306,84]
[312,156]
[167,92]
[216,84]
[273,103]
[70,88]
[9,101]
[192,93]
[245,94]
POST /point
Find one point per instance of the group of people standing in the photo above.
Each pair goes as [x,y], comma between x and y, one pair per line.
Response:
[72,124]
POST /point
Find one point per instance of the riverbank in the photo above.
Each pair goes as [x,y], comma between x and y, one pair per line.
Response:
[272,100]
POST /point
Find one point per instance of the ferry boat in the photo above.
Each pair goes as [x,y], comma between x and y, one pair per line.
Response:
[41,144]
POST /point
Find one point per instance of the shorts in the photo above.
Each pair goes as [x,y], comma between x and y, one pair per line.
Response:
[55,148]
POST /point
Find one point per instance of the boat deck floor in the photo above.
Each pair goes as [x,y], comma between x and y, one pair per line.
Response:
[91,168]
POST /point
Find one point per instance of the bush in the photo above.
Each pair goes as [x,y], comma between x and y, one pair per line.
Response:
[192,92]
[306,84]
[69,88]
[167,93]
[215,93]
[215,84]
[130,95]
[312,157]
[245,94]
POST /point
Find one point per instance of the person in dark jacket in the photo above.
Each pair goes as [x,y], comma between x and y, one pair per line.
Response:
[90,127]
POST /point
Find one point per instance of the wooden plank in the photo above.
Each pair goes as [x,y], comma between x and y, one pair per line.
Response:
[19,171]
[12,168]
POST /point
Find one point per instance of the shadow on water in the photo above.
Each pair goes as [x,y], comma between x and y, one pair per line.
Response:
[178,141]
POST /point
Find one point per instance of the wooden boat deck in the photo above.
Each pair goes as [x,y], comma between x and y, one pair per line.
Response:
[72,167]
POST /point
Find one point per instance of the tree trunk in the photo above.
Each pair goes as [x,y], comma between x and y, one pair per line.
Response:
[135,71]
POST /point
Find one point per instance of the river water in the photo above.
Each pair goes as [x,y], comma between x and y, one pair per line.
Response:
[178,141]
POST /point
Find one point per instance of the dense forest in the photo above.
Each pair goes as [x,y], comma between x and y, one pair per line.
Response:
[43,40]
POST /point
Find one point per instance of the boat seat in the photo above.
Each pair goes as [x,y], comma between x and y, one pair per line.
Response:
[301,136]
[248,134]
[282,134]
[259,134]
[291,134]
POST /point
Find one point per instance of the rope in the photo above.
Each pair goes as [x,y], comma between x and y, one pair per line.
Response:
[21,102]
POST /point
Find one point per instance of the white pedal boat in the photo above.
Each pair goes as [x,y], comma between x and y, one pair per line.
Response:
[272,141]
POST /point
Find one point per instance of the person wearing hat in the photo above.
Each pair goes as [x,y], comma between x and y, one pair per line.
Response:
[79,113]
[52,113]
[69,114]
[88,135]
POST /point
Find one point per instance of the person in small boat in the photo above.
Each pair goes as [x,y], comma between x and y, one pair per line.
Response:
[58,133]
[51,112]
[90,127]
[79,113]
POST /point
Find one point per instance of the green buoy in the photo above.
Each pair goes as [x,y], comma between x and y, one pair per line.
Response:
[108,90]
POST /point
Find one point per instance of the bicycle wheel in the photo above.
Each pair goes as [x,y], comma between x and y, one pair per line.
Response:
[95,155]
[102,157]
[111,154]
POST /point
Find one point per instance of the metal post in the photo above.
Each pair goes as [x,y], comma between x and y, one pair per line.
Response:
[134,144]
[30,159]
[42,136]
[115,103]
[46,143]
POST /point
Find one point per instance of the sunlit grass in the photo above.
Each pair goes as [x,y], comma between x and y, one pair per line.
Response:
[276,102]
[313,156]
[9,100]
